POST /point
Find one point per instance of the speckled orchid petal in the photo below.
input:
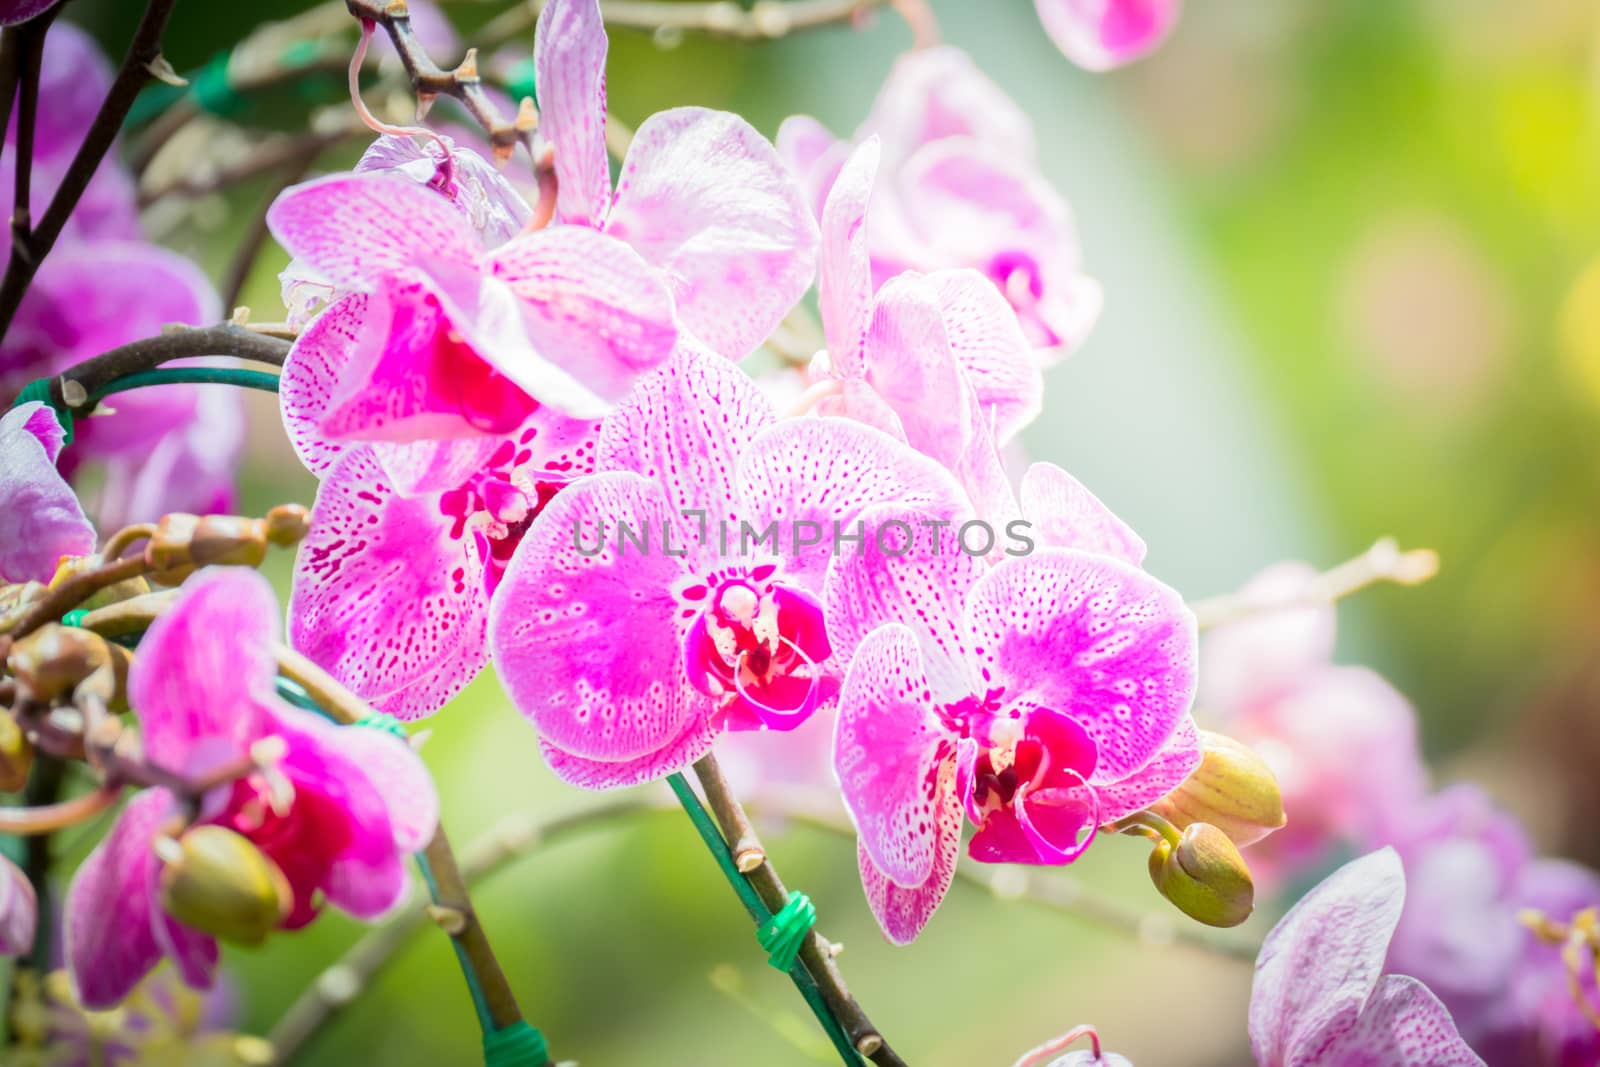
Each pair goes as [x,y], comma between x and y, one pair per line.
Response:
[40,517]
[1166,770]
[989,346]
[827,471]
[569,56]
[586,632]
[595,312]
[388,592]
[890,747]
[353,228]
[410,803]
[705,200]
[1320,999]
[923,589]
[493,206]
[908,362]
[844,279]
[19,910]
[684,427]
[201,701]
[692,741]
[1121,646]
[1102,34]
[1065,514]
[111,908]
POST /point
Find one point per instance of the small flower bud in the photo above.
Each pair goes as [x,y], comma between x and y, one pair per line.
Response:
[72,566]
[49,663]
[287,524]
[1205,876]
[1233,789]
[216,881]
[16,755]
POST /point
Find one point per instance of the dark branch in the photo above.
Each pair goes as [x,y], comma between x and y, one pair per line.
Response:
[74,386]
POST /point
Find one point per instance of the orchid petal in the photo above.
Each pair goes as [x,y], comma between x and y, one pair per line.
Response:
[311,374]
[844,282]
[705,200]
[569,56]
[1092,638]
[1102,34]
[393,768]
[19,910]
[41,519]
[1067,515]
[909,361]
[589,646]
[991,349]
[692,741]
[388,593]
[1166,770]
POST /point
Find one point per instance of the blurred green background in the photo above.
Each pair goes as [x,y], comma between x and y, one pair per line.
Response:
[1351,253]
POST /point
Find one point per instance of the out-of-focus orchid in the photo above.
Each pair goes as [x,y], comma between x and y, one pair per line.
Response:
[40,517]
[959,187]
[937,360]
[19,910]
[701,196]
[629,656]
[1471,877]
[329,814]
[1341,741]
[1043,697]
[1102,34]
[1320,997]
[15,11]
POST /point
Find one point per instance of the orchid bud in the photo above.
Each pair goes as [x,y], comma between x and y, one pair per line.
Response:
[216,881]
[15,599]
[16,755]
[1233,789]
[287,524]
[50,662]
[1204,875]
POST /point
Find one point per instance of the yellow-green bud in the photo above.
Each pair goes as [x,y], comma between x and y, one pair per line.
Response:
[127,589]
[16,755]
[1233,789]
[50,662]
[1204,875]
[217,881]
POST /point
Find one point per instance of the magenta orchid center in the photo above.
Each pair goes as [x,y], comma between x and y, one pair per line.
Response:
[302,831]
[757,645]
[487,400]
[1025,784]
[498,504]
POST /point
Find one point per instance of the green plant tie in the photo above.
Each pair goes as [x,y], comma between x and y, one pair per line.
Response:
[39,389]
[379,720]
[517,1045]
[520,80]
[213,91]
[784,933]
[74,617]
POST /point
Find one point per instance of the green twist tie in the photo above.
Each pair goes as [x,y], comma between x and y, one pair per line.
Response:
[520,80]
[784,933]
[39,389]
[517,1045]
[379,720]
[213,90]
[74,617]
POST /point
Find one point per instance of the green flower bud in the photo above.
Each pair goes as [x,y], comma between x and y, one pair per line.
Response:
[49,663]
[1233,789]
[1205,876]
[217,881]
[16,755]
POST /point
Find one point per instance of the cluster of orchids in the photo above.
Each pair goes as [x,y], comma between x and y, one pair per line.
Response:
[565,420]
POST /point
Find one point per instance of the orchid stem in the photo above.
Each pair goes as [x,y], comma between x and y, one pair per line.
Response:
[1383,562]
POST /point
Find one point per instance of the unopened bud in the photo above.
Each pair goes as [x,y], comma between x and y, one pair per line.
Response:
[1204,875]
[287,524]
[1233,789]
[127,589]
[216,881]
[183,543]
[49,663]
[16,755]
[16,599]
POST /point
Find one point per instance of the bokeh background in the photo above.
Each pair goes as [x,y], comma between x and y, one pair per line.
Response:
[1351,254]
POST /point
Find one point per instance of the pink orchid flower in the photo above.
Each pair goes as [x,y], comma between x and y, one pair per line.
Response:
[701,196]
[338,811]
[1042,697]
[1341,740]
[1320,997]
[40,517]
[447,339]
[629,659]
[959,187]
[19,910]
[1102,34]
[937,360]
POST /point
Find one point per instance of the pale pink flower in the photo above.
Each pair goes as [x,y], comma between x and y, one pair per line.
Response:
[338,813]
[1341,740]
[628,659]
[1320,997]
[19,910]
[701,196]
[959,186]
[1042,697]
[1102,34]
[40,517]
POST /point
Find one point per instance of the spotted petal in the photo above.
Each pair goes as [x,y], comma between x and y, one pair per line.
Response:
[569,56]
[40,517]
[1067,515]
[844,280]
